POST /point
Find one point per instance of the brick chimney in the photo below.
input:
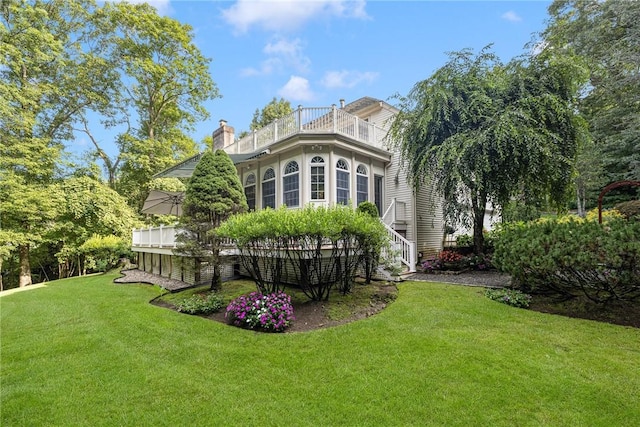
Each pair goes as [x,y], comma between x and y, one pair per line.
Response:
[223,136]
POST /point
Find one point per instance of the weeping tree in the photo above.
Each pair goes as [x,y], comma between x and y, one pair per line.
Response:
[487,132]
[213,194]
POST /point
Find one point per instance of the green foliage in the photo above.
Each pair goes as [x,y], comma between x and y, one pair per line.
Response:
[315,248]
[486,132]
[206,304]
[604,36]
[369,208]
[271,112]
[630,209]
[464,240]
[213,194]
[571,257]
[512,297]
[102,253]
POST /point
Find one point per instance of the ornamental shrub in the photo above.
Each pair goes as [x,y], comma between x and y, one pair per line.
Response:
[269,313]
[512,297]
[317,249]
[450,256]
[630,209]
[200,304]
[571,257]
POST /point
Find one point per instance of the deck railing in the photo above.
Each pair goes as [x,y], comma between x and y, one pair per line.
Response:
[164,237]
[317,120]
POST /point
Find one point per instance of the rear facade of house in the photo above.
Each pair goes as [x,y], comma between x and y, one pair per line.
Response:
[319,156]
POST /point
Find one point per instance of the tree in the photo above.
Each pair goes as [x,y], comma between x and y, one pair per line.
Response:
[605,35]
[163,81]
[483,132]
[46,83]
[272,111]
[213,194]
[87,209]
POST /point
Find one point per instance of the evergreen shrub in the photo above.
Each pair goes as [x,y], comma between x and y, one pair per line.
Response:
[569,257]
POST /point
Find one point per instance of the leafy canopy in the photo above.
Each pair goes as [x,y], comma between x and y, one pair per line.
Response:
[484,132]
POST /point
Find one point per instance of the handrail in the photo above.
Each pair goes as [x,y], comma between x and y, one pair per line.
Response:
[407,249]
[315,120]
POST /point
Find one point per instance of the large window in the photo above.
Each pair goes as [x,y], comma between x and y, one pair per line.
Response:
[250,191]
[291,184]
[342,182]
[269,189]
[362,190]
[317,178]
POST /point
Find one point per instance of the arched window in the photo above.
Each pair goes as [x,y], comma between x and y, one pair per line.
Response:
[317,178]
[269,189]
[362,190]
[250,191]
[291,184]
[342,182]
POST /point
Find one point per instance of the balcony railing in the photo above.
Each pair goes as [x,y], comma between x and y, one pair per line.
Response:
[163,236]
[318,120]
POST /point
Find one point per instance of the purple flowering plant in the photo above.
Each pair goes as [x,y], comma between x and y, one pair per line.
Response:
[431,264]
[271,313]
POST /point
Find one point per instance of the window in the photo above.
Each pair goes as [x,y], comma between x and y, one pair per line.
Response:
[250,191]
[269,189]
[291,184]
[317,178]
[377,192]
[362,184]
[342,182]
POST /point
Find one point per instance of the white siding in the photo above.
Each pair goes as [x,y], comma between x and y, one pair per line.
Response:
[430,224]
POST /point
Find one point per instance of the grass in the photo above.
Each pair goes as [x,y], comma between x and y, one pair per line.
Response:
[87,352]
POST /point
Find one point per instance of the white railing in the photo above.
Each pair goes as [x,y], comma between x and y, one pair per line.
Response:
[318,120]
[163,236]
[404,249]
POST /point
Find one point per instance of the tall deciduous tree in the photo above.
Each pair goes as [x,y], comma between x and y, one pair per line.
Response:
[483,132]
[46,83]
[606,35]
[213,194]
[164,80]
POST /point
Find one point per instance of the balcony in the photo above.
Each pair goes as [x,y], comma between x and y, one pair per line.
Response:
[318,120]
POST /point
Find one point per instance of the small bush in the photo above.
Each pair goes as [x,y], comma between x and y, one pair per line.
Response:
[200,304]
[464,240]
[430,265]
[450,256]
[630,209]
[512,297]
[269,313]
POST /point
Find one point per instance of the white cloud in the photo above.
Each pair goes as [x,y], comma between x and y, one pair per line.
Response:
[347,79]
[297,89]
[511,16]
[288,15]
[282,55]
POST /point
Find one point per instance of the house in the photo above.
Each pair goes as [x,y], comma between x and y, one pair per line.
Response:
[318,156]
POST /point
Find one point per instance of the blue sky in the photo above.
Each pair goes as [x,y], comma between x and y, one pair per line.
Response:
[316,52]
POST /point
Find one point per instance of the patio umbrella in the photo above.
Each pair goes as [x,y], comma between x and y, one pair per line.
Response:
[163,203]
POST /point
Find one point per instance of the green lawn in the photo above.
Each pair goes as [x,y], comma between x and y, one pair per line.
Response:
[87,352]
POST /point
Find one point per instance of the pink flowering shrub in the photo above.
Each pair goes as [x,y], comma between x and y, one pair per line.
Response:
[270,313]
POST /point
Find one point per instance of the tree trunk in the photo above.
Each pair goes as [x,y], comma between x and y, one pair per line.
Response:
[25,266]
[479,209]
